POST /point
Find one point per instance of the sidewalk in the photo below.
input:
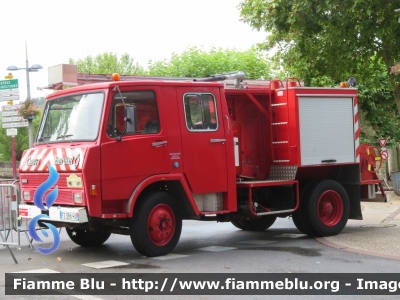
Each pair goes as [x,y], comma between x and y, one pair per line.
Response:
[377,234]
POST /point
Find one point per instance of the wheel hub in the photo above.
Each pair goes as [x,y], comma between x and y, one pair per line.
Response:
[161,224]
[330,208]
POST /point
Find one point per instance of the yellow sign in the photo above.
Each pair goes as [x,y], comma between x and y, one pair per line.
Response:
[10,76]
[10,102]
[74,181]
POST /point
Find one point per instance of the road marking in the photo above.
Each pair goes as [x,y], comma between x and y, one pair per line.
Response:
[216,248]
[105,264]
[169,256]
[38,271]
[257,242]
[290,235]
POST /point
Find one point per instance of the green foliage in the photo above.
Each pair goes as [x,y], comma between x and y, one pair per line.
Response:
[378,115]
[195,62]
[332,38]
[107,63]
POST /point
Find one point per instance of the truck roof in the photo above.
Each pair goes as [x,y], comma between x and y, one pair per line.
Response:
[148,82]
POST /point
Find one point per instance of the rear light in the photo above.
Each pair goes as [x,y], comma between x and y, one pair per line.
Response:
[26,195]
[77,198]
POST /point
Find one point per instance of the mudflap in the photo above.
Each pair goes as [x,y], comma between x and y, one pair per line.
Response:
[353,191]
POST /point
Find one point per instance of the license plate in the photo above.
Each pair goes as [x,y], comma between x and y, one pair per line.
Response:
[68,216]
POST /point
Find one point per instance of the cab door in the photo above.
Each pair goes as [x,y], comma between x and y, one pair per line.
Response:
[203,139]
[127,161]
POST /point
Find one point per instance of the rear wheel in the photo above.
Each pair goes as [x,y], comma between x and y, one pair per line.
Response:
[326,208]
[260,224]
[87,238]
[237,224]
[298,221]
[298,216]
[156,225]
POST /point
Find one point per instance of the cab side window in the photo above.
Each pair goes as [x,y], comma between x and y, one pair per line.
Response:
[147,119]
[200,112]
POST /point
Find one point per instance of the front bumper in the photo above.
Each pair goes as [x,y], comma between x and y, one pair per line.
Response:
[75,215]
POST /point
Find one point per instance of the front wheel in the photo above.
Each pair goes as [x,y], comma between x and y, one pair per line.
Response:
[156,225]
[87,238]
[260,224]
[326,208]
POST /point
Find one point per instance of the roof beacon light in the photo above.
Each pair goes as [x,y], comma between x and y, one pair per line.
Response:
[115,77]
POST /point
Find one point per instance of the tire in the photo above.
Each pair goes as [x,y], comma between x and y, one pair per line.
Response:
[260,224]
[237,224]
[326,208]
[298,216]
[156,225]
[299,222]
[88,238]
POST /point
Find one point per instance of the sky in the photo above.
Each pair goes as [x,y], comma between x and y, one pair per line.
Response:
[55,31]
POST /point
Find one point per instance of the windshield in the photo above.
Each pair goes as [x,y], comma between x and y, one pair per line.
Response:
[71,118]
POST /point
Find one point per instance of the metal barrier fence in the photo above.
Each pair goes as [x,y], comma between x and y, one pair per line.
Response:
[9,223]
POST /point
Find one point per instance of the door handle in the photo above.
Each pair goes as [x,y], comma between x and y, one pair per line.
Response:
[218,140]
[156,144]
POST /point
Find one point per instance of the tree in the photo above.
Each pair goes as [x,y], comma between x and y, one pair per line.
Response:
[333,38]
[196,62]
[377,111]
[107,63]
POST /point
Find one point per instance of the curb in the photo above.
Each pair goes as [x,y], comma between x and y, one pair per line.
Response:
[325,242]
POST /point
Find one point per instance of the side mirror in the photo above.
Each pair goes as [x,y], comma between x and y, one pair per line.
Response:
[130,119]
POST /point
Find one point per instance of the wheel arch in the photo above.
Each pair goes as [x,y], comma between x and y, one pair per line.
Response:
[176,186]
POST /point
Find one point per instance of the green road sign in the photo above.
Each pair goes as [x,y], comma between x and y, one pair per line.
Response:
[8,84]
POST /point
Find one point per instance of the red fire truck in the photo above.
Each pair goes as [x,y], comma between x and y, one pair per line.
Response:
[137,157]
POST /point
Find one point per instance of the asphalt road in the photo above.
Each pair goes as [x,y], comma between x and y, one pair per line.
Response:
[204,247]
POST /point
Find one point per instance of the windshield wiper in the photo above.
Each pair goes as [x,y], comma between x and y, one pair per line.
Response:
[44,140]
[66,136]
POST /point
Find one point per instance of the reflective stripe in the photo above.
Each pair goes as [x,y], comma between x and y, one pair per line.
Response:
[62,159]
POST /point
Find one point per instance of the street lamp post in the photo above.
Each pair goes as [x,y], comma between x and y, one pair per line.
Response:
[33,68]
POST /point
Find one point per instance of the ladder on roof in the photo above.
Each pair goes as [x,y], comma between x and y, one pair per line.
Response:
[280,121]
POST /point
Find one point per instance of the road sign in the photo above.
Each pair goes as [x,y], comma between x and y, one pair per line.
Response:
[382,141]
[9,92]
[384,155]
[12,132]
[8,84]
[8,98]
[9,76]
[12,107]
[15,124]
[9,113]
[13,119]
